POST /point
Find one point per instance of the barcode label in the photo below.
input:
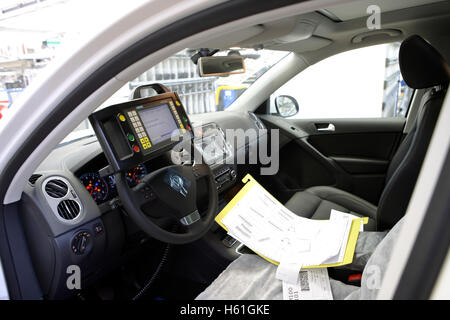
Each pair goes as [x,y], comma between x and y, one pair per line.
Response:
[304,281]
[312,284]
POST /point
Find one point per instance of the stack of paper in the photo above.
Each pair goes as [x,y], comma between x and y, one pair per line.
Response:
[255,218]
[265,226]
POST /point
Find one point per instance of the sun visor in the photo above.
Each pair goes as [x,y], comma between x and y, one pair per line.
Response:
[232,39]
[302,30]
[282,32]
[310,44]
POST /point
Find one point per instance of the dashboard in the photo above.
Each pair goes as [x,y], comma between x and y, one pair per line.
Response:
[71,209]
[104,189]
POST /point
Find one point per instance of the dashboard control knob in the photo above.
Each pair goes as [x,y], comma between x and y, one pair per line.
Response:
[80,242]
[233,174]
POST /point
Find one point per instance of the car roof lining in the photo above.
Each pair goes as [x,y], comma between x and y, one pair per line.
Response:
[316,35]
[350,11]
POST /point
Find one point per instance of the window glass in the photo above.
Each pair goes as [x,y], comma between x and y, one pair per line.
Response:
[198,94]
[202,94]
[361,83]
[34,33]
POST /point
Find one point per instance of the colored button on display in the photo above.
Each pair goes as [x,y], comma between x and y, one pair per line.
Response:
[145,143]
[130,137]
[122,118]
[144,140]
[136,148]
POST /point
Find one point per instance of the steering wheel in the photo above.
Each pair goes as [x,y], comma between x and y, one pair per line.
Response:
[175,186]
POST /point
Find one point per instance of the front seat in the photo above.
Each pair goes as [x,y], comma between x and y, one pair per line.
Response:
[421,67]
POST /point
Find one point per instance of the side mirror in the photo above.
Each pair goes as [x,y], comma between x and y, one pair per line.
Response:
[286,106]
[220,65]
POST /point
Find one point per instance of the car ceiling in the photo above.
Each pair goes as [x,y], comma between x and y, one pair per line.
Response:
[353,10]
[317,35]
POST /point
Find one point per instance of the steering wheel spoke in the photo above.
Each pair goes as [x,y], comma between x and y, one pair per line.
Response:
[142,194]
[191,218]
[201,170]
[195,228]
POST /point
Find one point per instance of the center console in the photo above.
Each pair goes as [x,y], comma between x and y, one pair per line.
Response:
[210,141]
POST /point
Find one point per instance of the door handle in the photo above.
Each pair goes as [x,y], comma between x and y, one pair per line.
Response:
[329,128]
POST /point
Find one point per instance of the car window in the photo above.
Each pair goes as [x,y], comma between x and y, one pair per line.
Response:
[362,83]
[202,94]
[35,33]
[198,94]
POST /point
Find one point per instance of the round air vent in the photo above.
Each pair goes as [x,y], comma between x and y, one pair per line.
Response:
[56,188]
[68,209]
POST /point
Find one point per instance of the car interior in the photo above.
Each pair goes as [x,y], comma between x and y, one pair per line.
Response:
[116,203]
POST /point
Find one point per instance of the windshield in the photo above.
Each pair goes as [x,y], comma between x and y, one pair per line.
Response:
[198,94]
[202,94]
[33,35]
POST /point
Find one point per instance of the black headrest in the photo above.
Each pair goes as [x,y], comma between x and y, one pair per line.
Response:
[421,65]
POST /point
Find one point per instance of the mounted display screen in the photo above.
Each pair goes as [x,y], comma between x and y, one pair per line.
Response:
[159,122]
[136,131]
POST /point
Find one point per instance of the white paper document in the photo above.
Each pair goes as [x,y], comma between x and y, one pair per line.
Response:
[266,226]
[312,284]
[339,215]
[288,271]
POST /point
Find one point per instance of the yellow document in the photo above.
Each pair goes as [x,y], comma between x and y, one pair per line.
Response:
[250,183]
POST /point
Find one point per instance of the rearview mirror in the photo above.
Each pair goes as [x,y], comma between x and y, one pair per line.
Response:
[286,106]
[220,65]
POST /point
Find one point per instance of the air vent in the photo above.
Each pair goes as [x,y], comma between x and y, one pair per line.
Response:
[56,188]
[34,178]
[68,209]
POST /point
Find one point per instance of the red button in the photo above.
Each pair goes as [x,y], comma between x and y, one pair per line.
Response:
[136,148]
[355,277]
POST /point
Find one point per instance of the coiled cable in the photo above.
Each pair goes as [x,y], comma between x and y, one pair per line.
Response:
[161,264]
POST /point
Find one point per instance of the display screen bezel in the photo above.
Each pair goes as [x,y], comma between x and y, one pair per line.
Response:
[150,105]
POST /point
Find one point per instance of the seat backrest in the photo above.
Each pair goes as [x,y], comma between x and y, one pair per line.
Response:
[421,67]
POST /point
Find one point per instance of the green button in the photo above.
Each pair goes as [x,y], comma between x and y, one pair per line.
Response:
[130,137]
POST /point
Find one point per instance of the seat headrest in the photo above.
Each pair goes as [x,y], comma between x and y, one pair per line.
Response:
[421,65]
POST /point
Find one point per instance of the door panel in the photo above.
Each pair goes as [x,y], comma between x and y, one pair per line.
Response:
[352,154]
[372,145]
